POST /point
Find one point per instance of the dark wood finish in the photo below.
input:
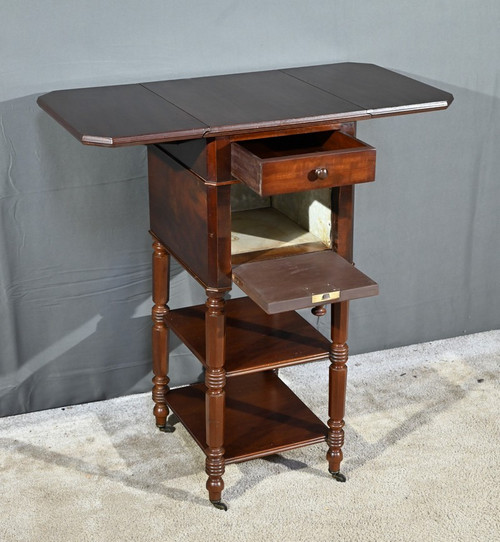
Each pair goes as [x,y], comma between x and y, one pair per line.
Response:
[278,252]
[379,91]
[210,158]
[183,217]
[161,266]
[215,380]
[342,243]
[199,123]
[219,236]
[192,154]
[285,284]
[255,341]
[281,165]
[342,221]
[120,115]
[330,126]
[247,101]
[337,385]
[222,145]
[219,149]
[237,104]
[319,310]
[343,213]
[263,416]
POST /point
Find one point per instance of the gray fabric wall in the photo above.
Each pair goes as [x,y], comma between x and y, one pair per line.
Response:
[75,253]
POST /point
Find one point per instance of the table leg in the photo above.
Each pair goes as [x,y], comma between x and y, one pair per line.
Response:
[161,266]
[342,237]
[337,388]
[215,379]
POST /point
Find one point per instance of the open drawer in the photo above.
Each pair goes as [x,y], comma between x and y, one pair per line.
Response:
[279,165]
[305,280]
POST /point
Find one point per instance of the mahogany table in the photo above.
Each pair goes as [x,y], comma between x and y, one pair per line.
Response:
[251,181]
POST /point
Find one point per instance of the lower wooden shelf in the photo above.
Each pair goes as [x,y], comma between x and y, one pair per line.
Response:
[262,417]
[254,340]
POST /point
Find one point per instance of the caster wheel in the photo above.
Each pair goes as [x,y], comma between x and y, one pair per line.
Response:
[220,505]
[166,428]
[338,476]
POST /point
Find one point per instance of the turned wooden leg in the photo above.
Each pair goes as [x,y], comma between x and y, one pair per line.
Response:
[342,236]
[161,263]
[337,388]
[215,379]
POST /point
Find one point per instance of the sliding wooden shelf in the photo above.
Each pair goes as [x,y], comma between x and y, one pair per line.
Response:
[297,282]
[254,340]
[262,417]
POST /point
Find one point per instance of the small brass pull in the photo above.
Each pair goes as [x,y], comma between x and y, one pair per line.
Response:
[321,172]
[327,296]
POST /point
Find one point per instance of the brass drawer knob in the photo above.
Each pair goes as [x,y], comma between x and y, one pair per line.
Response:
[321,172]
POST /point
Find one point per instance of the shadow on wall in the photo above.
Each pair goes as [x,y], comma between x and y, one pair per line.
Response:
[428,229]
[75,266]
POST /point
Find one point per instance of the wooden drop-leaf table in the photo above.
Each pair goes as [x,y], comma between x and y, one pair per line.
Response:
[251,181]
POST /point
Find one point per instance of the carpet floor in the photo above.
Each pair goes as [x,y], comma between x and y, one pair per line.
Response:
[422,458]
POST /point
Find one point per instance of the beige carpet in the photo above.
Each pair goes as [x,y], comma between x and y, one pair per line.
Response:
[422,460]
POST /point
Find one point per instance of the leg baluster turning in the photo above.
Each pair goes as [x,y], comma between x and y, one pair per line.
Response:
[160,335]
[337,384]
[215,380]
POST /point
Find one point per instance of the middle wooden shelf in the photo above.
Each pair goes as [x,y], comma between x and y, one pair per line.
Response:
[255,341]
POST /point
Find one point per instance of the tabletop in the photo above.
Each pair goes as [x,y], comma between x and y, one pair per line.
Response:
[221,105]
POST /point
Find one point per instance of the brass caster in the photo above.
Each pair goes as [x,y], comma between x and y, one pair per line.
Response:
[220,505]
[338,476]
[167,428]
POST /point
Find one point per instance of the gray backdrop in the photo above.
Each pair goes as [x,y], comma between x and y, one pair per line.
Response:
[75,253]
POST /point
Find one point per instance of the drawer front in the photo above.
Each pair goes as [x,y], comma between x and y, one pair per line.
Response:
[296,163]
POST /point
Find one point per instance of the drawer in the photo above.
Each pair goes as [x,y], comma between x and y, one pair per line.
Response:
[279,165]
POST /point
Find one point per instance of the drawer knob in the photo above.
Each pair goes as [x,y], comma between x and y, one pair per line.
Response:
[321,172]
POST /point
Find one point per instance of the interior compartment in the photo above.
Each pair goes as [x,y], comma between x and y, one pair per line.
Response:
[269,227]
[280,255]
[300,144]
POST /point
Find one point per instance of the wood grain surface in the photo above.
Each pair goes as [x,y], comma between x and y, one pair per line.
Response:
[191,218]
[176,110]
[286,284]
[254,340]
[377,90]
[281,165]
[120,115]
[263,416]
[247,101]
